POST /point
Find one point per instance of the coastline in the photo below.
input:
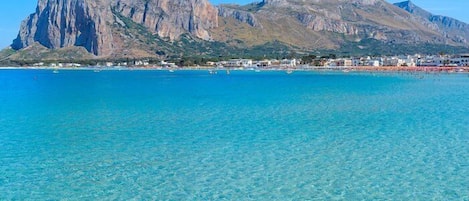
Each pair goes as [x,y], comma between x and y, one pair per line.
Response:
[345,69]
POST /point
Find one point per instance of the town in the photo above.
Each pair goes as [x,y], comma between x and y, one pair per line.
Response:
[404,62]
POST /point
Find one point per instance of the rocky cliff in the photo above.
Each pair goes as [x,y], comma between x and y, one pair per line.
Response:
[171,18]
[65,23]
[242,16]
[91,23]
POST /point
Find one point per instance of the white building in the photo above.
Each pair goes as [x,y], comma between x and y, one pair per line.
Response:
[288,63]
[239,63]
[168,65]
[429,61]
[263,63]
[39,64]
[356,62]
[460,60]
[441,61]
[374,63]
[211,63]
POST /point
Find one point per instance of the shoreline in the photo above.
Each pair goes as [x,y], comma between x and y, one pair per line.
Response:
[345,69]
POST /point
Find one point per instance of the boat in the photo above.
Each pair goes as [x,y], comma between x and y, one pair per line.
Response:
[289,71]
[171,70]
[346,71]
[55,71]
[212,72]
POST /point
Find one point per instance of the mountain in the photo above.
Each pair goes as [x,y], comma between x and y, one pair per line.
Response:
[331,24]
[103,27]
[451,28]
[170,18]
[65,23]
[175,28]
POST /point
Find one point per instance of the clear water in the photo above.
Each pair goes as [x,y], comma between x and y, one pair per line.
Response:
[155,135]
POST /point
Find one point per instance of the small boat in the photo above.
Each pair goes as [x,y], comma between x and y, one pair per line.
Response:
[55,71]
[171,70]
[346,71]
[212,72]
[289,71]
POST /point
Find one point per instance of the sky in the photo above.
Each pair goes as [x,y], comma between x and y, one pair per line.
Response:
[12,12]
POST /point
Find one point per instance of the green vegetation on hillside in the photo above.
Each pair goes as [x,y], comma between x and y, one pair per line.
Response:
[374,47]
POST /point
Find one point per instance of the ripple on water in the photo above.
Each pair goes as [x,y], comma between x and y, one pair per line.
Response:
[188,136]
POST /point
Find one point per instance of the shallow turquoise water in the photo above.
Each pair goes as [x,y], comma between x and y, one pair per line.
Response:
[188,135]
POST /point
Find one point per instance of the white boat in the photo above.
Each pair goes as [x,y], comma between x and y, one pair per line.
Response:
[55,71]
[289,71]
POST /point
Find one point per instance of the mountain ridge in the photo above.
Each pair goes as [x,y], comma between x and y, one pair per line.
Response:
[163,28]
[451,27]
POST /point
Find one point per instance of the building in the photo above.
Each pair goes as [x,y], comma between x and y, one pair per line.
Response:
[211,63]
[288,63]
[356,62]
[460,60]
[344,62]
[165,64]
[374,63]
[239,63]
[263,63]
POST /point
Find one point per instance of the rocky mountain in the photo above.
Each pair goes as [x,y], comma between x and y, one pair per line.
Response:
[171,18]
[65,23]
[331,23]
[451,28]
[99,25]
[162,28]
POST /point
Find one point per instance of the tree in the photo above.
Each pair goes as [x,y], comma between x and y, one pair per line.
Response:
[308,59]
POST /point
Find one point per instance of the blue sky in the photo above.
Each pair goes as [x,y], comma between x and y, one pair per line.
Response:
[12,12]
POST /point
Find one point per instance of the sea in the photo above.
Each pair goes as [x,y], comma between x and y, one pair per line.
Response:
[192,135]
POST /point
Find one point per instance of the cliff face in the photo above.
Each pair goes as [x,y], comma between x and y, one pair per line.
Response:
[171,18]
[242,16]
[65,23]
[86,23]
